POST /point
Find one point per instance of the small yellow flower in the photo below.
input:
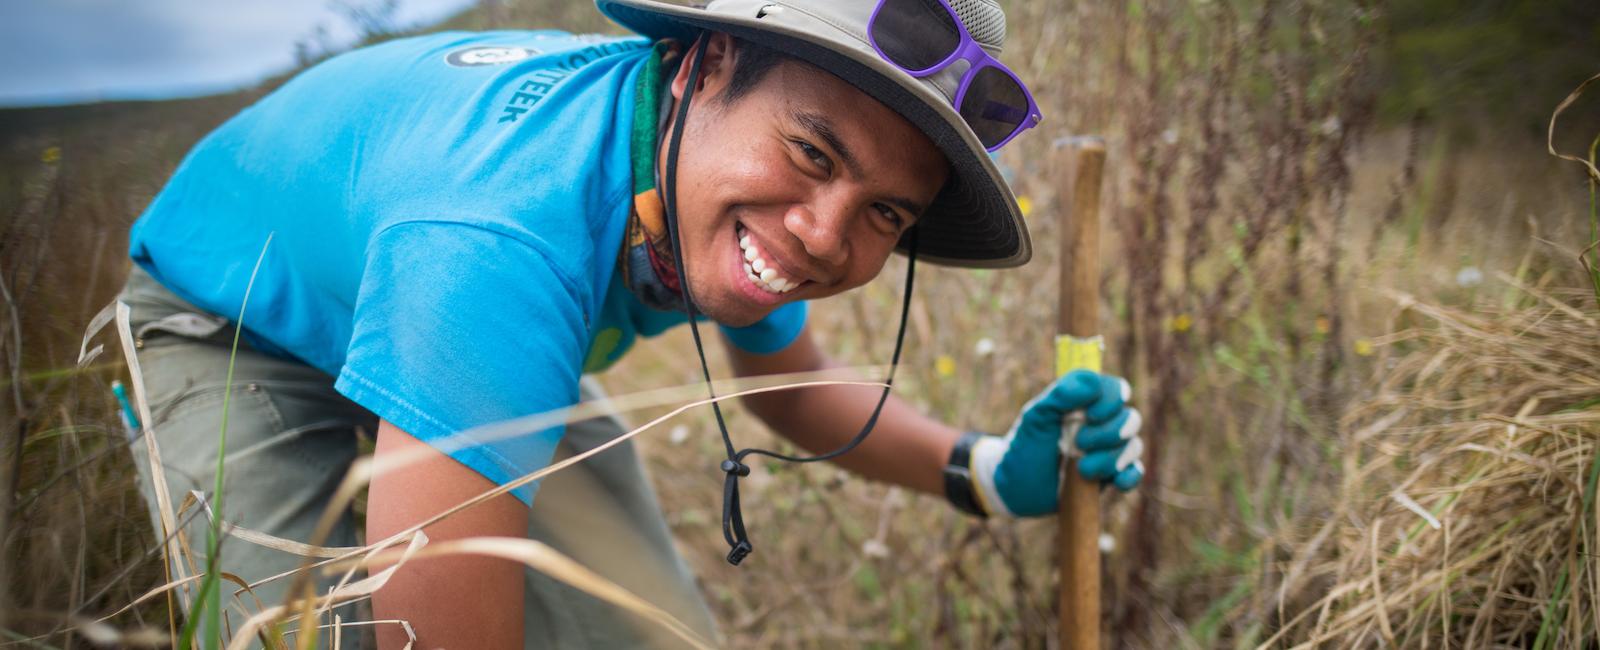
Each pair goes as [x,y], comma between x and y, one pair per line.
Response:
[1180,323]
[1322,325]
[1364,347]
[1025,205]
[944,366]
[51,155]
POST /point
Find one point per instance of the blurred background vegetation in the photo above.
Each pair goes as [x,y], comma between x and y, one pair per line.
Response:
[1486,60]
[1341,272]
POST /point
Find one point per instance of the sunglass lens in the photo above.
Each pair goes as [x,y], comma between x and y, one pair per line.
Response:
[915,34]
[994,106]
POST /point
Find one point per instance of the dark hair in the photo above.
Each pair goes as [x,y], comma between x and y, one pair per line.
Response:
[752,61]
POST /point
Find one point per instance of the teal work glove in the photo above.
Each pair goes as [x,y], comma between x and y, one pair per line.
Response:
[1020,474]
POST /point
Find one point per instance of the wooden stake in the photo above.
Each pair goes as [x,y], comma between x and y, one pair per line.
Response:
[1078,346]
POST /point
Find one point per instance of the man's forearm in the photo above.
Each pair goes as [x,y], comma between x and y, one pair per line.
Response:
[905,448]
[454,602]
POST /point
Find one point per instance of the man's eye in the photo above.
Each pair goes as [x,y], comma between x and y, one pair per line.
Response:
[890,215]
[815,155]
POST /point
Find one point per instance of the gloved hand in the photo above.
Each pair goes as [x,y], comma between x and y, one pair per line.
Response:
[1020,474]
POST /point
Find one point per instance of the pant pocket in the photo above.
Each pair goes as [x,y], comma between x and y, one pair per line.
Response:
[192,325]
[188,428]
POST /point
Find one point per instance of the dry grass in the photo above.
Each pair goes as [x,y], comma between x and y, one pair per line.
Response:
[1259,230]
[1465,510]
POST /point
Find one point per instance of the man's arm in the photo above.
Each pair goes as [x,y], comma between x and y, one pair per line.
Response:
[905,448]
[451,602]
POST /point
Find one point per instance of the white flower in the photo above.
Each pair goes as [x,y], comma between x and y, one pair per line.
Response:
[99,633]
[984,347]
[1331,126]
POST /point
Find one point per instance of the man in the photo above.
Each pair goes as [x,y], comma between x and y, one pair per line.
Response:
[462,225]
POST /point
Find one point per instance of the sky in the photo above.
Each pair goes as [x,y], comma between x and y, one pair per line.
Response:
[75,51]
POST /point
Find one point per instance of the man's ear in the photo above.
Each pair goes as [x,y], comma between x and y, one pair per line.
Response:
[715,70]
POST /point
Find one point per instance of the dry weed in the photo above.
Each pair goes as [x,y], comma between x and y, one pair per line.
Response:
[1465,515]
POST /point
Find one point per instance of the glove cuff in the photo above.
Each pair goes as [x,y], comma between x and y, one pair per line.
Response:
[958,479]
[986,455]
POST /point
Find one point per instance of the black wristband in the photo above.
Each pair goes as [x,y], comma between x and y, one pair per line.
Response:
[958,477]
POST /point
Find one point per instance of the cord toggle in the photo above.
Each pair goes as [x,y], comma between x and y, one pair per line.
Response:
[739,553]
[735,468]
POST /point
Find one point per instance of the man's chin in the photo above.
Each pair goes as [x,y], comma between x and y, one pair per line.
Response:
[730,316]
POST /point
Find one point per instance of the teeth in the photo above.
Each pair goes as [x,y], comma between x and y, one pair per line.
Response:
[759,272]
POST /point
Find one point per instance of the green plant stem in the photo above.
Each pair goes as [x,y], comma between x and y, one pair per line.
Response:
[186,637]
[209,601]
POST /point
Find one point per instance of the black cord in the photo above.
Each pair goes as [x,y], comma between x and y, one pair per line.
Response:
[733,468]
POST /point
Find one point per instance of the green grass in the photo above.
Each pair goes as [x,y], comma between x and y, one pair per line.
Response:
[207,605]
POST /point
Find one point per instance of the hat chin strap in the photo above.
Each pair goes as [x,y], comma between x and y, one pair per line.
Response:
[732,517]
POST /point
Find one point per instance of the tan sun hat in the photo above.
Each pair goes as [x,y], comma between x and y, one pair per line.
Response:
[975,221]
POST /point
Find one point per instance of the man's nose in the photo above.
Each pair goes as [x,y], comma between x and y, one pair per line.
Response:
[821,231]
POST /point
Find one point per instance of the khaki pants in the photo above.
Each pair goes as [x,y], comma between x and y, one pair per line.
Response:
[291,438]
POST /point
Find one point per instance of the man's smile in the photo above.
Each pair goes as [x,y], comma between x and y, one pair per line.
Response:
[762,268]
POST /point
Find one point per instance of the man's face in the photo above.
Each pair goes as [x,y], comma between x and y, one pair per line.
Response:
[797,190]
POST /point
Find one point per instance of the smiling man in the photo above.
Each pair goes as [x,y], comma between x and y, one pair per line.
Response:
[465,225]
[799,188]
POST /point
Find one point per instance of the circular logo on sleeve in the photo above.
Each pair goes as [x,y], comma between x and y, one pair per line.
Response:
[488,55]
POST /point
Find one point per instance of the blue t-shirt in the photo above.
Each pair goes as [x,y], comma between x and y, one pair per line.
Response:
[446,213]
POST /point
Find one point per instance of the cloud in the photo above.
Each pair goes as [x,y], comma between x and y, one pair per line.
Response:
[81,50]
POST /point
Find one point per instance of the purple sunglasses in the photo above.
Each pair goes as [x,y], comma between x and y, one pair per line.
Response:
[923,37]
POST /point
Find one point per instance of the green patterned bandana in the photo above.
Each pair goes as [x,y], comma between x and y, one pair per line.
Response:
[646,262]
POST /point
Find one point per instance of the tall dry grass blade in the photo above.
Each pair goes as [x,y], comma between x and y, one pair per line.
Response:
[348,593]
[1411,504]
[1547,299]
[158,472]
[361,471]
[1444,587]
[1550,132]
[339,624]
[1377,586]
[515,427]
[285,545]
[399,460]
[102,318]
[553,563]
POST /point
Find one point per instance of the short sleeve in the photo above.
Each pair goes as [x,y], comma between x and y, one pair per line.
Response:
[770,334]
[457,326]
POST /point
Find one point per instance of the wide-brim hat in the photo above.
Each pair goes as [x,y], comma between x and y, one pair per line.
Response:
[974,221]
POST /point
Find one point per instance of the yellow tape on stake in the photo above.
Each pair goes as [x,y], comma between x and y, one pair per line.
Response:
[1077,352]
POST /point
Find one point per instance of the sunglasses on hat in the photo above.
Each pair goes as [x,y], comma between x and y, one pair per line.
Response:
[923,37]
